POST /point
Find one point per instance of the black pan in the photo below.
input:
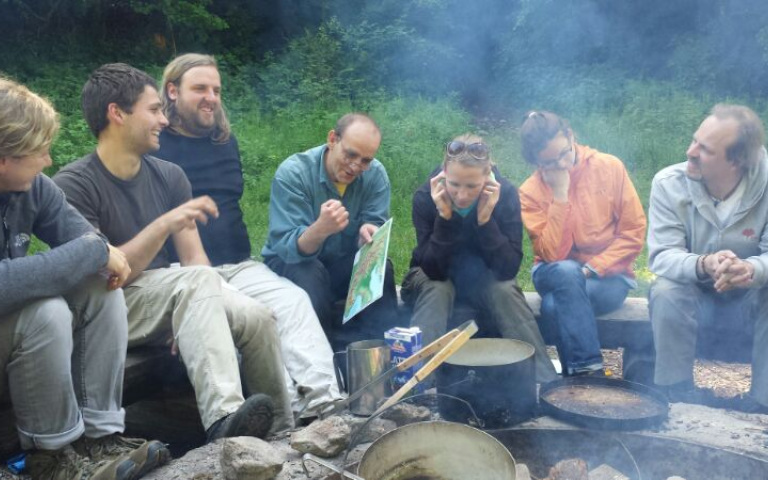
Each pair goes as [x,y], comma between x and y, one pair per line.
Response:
[603,403]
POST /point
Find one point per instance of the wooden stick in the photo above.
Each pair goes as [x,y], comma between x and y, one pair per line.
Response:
[453,346]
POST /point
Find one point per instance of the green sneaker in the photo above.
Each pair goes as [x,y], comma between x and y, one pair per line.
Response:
[146,454]
[67,464]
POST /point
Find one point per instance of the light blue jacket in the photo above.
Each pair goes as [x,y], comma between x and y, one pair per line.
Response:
[683,224]
[301,185]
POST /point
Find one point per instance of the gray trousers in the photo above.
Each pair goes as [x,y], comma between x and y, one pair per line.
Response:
[307,355]
[676,311]
[502,302]
[211,321]
[62,361]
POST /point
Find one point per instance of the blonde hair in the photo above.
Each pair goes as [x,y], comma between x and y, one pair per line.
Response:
[174,73]
[28,122]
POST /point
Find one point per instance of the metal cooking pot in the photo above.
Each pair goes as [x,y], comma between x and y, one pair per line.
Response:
[433,450]
[494,375]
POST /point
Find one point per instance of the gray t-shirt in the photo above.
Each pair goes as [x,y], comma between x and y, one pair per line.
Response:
[121,209]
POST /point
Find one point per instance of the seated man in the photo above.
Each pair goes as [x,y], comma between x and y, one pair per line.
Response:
[586,225]
[469,246]
[62,325]
[139,203]
[707,246]
[200,142]
[326,203]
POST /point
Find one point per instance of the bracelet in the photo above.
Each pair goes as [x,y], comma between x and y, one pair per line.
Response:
[701,271]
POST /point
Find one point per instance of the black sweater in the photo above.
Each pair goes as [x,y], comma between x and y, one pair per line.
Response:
[498,242]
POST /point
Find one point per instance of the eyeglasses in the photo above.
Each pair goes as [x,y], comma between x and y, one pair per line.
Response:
[554,162]
[351,157]
[478,150]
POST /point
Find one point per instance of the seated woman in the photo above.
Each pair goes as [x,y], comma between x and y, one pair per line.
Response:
[587,226]
[469,246]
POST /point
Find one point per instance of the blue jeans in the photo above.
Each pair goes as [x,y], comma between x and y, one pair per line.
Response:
[569,304]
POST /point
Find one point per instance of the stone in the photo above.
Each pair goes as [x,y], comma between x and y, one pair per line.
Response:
[606,472]
[364,431]
[249,458]
[405,413]
[324,438]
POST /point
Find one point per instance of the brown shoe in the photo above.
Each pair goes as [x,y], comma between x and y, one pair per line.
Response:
[67,464]
[146,454]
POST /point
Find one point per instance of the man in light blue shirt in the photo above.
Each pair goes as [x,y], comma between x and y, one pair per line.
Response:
[325,203]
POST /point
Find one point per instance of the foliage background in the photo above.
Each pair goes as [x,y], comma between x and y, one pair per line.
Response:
[634,78]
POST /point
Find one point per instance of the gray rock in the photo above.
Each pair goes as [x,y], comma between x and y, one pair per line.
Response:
[324,438]
[249,458]
[199,464]
[364,431]
[606,472]
[405,413]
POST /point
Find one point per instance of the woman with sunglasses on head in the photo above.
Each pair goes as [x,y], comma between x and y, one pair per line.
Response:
[469,247]
[587,227]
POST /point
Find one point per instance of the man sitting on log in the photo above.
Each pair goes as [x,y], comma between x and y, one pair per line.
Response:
[708,246]
[141,203]
[63,322]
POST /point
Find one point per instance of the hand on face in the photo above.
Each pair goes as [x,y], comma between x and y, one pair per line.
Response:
[333,218]
[489,197]
[559,180]
[440,195]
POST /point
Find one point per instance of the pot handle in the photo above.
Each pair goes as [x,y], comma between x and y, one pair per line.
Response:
[327,464]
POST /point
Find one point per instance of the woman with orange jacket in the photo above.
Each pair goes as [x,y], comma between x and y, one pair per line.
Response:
[587,226]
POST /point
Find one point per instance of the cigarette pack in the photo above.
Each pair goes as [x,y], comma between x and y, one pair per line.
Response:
[404,342]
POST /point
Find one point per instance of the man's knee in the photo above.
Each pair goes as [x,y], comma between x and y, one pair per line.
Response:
[46,320]
[665,292]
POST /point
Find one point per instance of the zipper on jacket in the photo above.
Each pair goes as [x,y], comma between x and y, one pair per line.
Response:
[6,234]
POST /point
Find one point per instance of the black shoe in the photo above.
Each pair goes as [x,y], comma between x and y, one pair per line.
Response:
[253,419]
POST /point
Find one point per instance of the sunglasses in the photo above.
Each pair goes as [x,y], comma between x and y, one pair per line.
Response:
[478,150]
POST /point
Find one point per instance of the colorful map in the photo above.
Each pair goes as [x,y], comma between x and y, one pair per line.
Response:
[367,283]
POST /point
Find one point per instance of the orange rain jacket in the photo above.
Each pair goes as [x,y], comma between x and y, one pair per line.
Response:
[602,224]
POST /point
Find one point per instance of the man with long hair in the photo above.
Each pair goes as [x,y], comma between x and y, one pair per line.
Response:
[199,140]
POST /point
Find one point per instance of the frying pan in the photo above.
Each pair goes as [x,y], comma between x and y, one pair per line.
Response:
[603,403]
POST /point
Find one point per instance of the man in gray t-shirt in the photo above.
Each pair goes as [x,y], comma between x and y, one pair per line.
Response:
[140,203]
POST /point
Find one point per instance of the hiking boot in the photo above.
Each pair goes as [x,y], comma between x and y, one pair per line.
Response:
[253,419]
[146,454]
[67,464]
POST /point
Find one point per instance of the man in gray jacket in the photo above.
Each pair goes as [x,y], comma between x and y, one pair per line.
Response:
[708,245]
[62,325]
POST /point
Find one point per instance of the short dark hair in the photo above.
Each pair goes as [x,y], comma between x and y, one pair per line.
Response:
[746,150]
[344,122]
[112,83]
[539,128]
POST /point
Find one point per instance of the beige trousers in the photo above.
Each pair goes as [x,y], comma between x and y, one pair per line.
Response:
[210,322]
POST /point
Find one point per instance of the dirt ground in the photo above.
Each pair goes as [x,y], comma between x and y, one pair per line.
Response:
[725,379]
